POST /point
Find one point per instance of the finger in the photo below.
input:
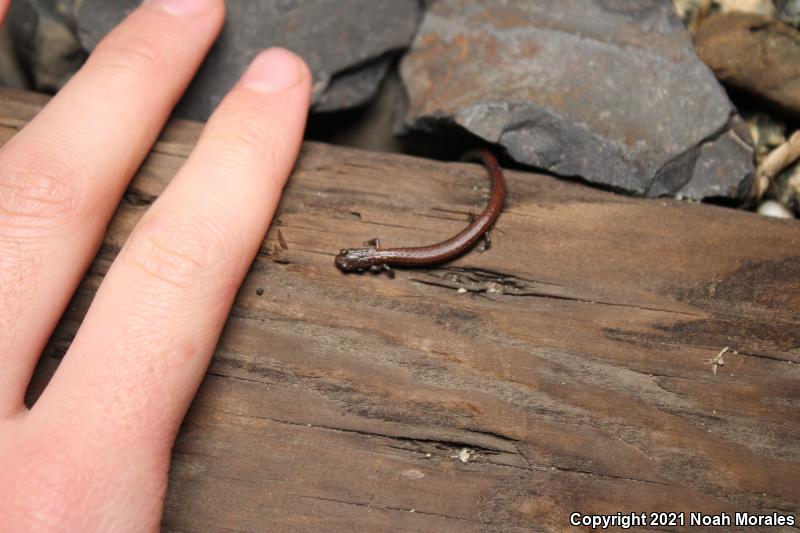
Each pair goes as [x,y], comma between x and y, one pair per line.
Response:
[62,175]
[143,348]
[3,9]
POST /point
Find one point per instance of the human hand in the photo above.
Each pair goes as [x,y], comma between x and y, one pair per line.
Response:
[93,452]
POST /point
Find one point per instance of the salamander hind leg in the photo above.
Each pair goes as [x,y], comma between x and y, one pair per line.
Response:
[486,242]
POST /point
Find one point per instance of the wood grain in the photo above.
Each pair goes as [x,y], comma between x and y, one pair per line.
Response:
[571,376]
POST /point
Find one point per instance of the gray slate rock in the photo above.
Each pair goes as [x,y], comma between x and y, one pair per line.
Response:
[348,44]
[11,74]
[44,38]
[600,89]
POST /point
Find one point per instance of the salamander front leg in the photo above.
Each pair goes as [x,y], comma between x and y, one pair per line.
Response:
[375,243]
[377,269]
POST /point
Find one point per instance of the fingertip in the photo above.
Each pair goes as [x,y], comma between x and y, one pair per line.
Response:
[276,70]
[186,8]
[200,15]
[3,10]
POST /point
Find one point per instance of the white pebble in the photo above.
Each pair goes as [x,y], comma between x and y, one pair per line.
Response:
[771,208]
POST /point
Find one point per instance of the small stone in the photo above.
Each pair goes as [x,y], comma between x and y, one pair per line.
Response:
[693,12]
[462,290]
[755,54]
[771,208]
[465,454]
[757,7]
[789,12]
[686,8]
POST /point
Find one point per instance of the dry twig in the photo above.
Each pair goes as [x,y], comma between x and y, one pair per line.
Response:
[717,361]
[777,160]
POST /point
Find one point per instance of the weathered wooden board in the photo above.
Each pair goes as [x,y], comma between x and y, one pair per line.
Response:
[572,376]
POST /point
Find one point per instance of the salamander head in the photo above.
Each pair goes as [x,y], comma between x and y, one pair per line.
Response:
[355,260]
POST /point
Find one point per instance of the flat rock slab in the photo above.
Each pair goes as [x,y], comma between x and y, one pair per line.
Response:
[349,44]
[755,54]
[570,368]
[611,92]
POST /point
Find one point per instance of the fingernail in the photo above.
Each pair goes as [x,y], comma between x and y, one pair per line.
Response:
[182,7]
[273,70]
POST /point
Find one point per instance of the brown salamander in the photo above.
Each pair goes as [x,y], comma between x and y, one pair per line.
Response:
[377,259]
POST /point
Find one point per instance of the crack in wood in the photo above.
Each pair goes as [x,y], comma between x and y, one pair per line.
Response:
[443,441]
[606,476]
[455,444]
[769,356]
[645,339]
[478,280]
[369,505]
